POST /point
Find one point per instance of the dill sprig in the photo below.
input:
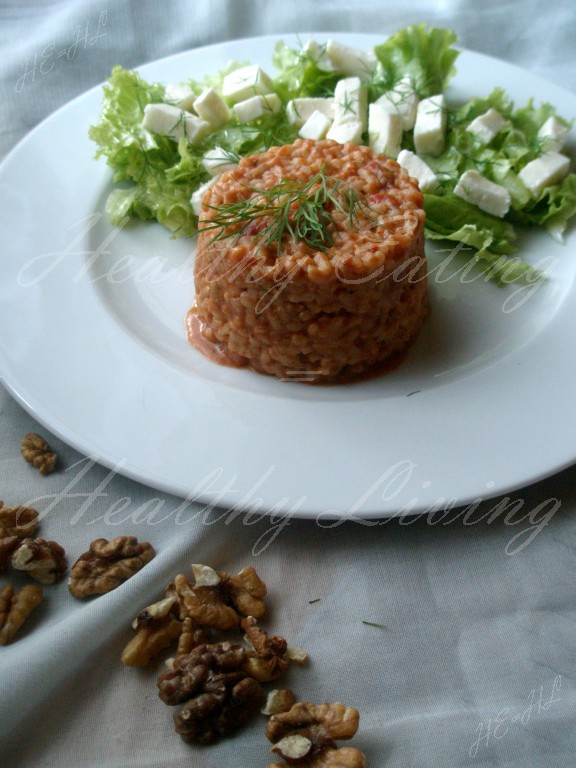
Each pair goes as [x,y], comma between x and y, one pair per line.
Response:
[302,211]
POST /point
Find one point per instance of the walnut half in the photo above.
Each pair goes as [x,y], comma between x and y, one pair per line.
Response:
[217,600]
[306,735]
[157,626]
[43,560]
[15,609]
[107,564]
[17,521]
[216,694]
[37,452]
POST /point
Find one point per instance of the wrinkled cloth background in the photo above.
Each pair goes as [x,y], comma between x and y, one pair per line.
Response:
[475,663]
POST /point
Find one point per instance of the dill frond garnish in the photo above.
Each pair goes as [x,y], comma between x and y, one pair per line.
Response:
[303,211]
[375,624]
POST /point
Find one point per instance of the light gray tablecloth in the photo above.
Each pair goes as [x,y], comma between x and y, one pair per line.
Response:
[475,664]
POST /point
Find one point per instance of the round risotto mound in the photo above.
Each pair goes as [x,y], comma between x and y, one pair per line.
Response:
[317,314]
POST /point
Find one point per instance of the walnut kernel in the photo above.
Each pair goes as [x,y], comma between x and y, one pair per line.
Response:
[192,635]
[278,700]
[156,628]
[8,546]
[15,609]
[17,521]
[43,560]
[345,757]
[296,655]
[267,660]
[205,604]
[218,696]
[107,565]
[248,592]
[323,725]
[37,452]
[293,747]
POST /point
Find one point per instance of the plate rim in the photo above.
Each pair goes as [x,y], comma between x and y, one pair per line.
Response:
[132,472]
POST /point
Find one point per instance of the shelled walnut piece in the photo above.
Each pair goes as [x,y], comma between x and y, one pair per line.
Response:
[107,564]
[266,660]
[44,561]
[217,694]
[15,609]
[278,700]
[8,545]
[37,452]
[219,683]
[209,600]
[17,521]
[157,627]
[218,600]
[306,735]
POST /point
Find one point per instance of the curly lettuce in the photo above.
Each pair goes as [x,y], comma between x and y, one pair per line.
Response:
[156,175]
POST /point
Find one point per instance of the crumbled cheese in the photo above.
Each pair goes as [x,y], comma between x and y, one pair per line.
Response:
[168,120]
[485,127]
[548,169]
[210,106]
[198,194]
[245,82]
[218,160]
[350,111]
[403,100]
[418,169]
[180,96]
[553,134]
[384,130]
[318,54]
[256,106]
[195,128]
[351,62]
[480,191]
[430,126]
[299,110]
[316,127]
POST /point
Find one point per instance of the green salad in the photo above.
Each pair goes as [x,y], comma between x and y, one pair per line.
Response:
[487,167]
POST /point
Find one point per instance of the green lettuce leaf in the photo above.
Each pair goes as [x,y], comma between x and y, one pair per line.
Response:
[138,156]
[493,240]
[299,74]
[425,55]
[501,161]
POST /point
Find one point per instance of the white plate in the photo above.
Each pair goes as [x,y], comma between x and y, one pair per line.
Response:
[93,346]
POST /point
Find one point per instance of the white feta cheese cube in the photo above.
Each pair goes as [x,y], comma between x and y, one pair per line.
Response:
[195,128]
[485,127]
[418,169]
[299,110]
[245,82]
[257,106]
[180,96]
[402,99]
[384,130]
[430,126]
[165,119]
[210,106]
[553,134]
[218,160]
[350,111]
[317,53]
[316,127]
[168,120]
[548,169]
[346,132]
[351,61]
[480,191]
[198,194]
